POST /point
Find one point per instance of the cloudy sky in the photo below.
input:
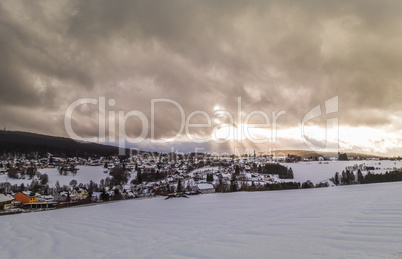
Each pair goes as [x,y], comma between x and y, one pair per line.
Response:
[213,60]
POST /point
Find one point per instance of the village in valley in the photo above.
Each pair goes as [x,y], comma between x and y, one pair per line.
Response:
[54,182]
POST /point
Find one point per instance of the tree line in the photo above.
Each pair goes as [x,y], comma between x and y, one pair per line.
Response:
[348,177]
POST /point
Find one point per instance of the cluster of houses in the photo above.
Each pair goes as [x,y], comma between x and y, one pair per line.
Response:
[190,173]
[51,162]
[30,200]
[26,200]
[143,161]
[193,175]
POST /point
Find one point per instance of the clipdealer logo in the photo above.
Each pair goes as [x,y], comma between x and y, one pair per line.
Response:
[235,128]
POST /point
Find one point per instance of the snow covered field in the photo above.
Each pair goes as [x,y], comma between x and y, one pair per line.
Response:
[317,172]
[359,221]
[84,175]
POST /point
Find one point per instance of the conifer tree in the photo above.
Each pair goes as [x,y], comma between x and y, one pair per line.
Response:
[360,177]
[139,175]
[233,183]
[336,179]
[179,187]
[237,170]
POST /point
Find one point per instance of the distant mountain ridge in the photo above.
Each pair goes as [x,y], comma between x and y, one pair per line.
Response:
[18,142]
[310,153]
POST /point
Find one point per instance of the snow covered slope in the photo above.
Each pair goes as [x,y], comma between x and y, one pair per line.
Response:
[359,221]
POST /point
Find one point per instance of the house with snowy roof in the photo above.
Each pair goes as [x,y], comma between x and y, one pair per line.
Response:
[5,201]
[25,197]
[204,188]
[79,193]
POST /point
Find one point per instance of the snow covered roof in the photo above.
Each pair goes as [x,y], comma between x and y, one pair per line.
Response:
[96,194]
[205,186]
[63,193]
[5,198]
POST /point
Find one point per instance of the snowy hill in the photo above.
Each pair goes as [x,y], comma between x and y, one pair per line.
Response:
[26,142]
[359,221]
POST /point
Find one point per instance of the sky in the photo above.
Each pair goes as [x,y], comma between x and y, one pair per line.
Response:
[218,76]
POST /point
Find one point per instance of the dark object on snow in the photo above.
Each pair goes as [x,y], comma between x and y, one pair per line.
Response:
[176,195]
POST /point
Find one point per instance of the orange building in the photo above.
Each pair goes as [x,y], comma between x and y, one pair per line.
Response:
[25,198]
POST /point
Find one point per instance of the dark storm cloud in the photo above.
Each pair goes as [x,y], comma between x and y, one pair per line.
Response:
[275,55]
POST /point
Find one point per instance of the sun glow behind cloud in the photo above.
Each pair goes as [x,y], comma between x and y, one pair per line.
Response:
[346,138]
